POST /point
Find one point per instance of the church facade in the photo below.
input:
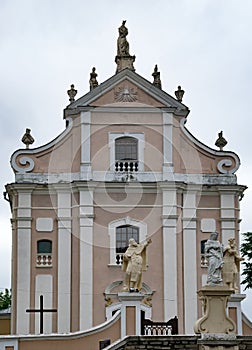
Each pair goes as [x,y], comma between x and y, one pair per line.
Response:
[124,167]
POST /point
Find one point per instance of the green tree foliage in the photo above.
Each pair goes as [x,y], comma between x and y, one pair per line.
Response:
[5,299]
[246,251]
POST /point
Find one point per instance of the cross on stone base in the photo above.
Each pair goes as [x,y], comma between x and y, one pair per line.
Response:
[41,310]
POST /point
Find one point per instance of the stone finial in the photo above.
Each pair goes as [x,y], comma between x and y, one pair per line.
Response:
[72,93]
[221,141]
[156,76]
[93,81]
[27,139]
[123,58]
[179,94]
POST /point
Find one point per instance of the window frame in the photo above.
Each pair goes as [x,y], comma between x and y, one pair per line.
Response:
[113,136]
[142,226]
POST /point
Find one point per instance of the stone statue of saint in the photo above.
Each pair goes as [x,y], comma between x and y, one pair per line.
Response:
[231,266]
[214,255]
[134,262]
[122,43]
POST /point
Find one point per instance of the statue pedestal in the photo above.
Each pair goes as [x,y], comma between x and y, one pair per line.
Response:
[130,313]
[125,62]
[215,319]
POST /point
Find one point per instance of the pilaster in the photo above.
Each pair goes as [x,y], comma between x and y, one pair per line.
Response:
[85,167]
[170,253]
[167,145]
[86,258]
[23,262]
[190,260]
[64,260]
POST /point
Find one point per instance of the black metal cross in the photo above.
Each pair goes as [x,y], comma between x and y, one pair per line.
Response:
[41,310]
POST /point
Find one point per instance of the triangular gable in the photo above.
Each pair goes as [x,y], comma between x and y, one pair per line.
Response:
[127,86]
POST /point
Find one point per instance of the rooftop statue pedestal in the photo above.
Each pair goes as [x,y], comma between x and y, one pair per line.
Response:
[215,319]
[130,313]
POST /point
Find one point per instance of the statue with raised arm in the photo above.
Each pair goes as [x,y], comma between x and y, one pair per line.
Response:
[214,255]
[134,263]
[231,266]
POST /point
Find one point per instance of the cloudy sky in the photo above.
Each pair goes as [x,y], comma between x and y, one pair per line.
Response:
[203,45]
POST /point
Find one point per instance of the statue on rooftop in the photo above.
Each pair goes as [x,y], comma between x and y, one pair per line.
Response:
[134,263]
[122,43]
[156,76]
[231,266]
[123,58]
[214,255]
[93,81]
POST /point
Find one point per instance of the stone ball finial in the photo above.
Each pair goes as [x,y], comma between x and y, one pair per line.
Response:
[221,141]
[27,139]
[72,93]
[179,94]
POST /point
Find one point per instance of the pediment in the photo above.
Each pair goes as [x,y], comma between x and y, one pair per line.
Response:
[127,88]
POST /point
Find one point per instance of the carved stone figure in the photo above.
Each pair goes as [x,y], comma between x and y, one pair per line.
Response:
[231,266]
[122,43]
[123,58]
[214,255]
[93,81]
[134,262]
[156,76]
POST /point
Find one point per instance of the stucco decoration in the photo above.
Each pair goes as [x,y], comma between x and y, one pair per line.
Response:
[214,255]
[27,164]
[134,263]
[22,161]
[225,165]
[231,265]
[125,94]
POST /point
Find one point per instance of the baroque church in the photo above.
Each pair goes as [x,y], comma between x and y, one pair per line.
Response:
[125,167]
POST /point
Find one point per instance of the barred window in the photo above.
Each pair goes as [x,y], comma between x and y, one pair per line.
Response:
[123,234]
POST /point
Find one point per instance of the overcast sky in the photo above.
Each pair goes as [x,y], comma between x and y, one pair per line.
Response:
[203,45]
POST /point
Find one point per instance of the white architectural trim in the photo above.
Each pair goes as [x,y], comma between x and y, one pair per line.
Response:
[170,253]
[112,233]
[23,263]
[86,259]
[86,168]
[44,286]
[190,261]
[199,179]
[167,145]
[117,306]
[227,204]
[141,145]
[64,261]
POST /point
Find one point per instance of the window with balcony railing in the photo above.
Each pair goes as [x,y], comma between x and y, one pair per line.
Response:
[44,253]
[123,234]
[126,154]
